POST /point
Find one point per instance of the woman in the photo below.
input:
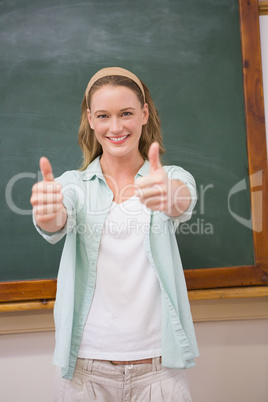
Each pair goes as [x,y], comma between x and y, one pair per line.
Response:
[123,324]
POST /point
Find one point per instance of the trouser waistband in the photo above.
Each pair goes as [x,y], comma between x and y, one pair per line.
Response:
[142,361]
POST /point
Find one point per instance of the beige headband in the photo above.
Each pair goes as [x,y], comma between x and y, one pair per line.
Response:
[114,71]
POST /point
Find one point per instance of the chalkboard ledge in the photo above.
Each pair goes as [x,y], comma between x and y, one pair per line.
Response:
[206,306]
[26,291]
[203,294]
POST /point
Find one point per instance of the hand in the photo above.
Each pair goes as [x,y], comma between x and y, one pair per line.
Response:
[153,189]
[47,199]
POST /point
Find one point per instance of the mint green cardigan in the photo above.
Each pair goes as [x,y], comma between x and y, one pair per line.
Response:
[88,199]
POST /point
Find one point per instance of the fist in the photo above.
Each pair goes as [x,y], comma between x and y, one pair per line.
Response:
[46,196]
[153,189]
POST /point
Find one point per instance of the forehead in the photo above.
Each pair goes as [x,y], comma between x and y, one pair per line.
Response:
[109,95]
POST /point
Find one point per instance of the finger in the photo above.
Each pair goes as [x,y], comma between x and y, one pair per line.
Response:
[47,198]
[47,209]
[154,158]
[45,218]
[156,203]
[46,169]
[46,187]
[151,192]
[150,180]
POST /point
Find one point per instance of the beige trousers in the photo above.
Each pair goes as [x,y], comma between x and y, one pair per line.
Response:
[101,381]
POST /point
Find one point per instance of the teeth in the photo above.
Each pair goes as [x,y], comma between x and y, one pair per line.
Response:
[118,138]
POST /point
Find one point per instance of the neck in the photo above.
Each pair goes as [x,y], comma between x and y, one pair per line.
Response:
[121,166]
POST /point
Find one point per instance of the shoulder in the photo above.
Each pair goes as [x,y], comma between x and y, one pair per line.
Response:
[78,176]
[70,176]
[178,173]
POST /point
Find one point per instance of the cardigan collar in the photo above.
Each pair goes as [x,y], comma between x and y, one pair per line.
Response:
[94,170]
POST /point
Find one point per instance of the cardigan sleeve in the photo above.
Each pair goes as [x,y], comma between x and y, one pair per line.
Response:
[178,173]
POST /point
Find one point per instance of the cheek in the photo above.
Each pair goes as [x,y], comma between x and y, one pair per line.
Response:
[98,128]
[136,126]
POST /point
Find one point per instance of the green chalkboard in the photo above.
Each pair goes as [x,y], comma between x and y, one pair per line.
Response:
[187,52]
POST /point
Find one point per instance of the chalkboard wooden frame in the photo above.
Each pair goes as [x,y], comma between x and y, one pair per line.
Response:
[212,278]
[257,159]
[263,7]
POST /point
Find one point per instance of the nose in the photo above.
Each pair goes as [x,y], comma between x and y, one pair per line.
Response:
[115,125]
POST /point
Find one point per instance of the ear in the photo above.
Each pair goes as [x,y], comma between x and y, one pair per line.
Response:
[89,119]
[145,114]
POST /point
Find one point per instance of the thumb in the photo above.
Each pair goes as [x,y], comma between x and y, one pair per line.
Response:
[46,169]
[153,156]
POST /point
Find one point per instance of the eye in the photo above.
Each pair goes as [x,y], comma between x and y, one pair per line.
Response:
[127,114]
[102,116]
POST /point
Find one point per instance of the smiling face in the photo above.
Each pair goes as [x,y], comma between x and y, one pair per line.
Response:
[117,116]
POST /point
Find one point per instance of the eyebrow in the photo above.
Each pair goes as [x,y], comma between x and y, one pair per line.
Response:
[121,110]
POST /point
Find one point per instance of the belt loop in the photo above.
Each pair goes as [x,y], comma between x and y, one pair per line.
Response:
[156,365]
[87,365]
[84,364]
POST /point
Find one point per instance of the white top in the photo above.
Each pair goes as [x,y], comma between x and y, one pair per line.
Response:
[124,321]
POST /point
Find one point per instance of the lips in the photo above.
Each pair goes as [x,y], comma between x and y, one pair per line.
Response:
[118,140]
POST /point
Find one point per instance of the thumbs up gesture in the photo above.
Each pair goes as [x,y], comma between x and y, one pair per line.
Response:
[46,169]
[153,189]
[49,211]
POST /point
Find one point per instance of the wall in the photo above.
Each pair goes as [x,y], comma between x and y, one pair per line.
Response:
[232,366]
[26,373]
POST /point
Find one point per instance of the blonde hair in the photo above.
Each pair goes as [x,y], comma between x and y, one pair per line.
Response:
[151,131]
